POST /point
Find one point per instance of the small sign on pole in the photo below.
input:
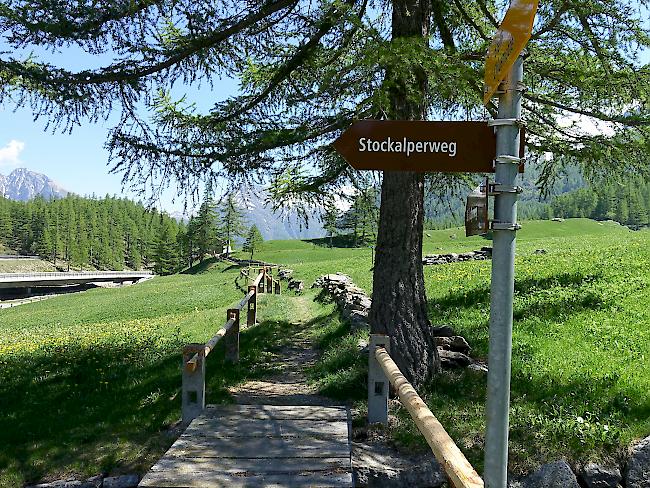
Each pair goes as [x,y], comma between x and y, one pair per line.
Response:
[476,212]
[508,42]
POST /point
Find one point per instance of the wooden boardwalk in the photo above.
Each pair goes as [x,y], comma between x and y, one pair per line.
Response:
[259,446]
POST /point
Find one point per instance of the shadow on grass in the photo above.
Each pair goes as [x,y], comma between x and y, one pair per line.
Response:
[201,267]
[551,417]
[258,357]
[86,409]
[342,370]
[340,241]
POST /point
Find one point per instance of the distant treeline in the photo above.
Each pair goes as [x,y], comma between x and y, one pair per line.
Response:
[628,204]
[107,233]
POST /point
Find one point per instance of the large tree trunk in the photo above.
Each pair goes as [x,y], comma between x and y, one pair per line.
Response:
[399,304]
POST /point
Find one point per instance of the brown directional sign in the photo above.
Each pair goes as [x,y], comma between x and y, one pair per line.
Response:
[422,146]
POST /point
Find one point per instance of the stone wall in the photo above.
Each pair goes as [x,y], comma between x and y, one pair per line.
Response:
[454,351]
[480,255]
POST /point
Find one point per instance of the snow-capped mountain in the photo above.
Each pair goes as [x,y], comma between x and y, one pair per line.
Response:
[22,184]
[285,223]
[282,224]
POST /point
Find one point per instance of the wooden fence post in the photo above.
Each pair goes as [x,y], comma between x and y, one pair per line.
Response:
[193,389]
[269,283]
[262,283]
[378,384]
[251,317]
[232,337]
[277,287]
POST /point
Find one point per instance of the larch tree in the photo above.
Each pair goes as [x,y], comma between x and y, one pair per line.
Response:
[233,223]
[307,70]
[254,240]
[205,226]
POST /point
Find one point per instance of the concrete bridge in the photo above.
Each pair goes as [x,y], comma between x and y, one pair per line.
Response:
[33,280]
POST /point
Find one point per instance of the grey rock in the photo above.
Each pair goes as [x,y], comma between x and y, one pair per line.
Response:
[453,359]
[377,465]
[357,307]
[540,251]
[285,274]
[596,476]
[70,483]
[362,344]
[482,254]
[363,301]
[637,473]
[478,367]
[124,481]
[96,481]
[297,286]
[552,475]
[453,343]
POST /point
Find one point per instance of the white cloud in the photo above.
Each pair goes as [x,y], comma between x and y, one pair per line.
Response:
[10,154]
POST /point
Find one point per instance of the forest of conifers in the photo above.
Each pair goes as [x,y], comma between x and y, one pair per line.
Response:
[628,204]
[107,233]
[116,233]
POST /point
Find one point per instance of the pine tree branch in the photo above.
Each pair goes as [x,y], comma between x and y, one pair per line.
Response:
[69,27]
[303,52]
[128,71]
[551,24]
[629,121]
[439,19]
[470,21]
[487,13]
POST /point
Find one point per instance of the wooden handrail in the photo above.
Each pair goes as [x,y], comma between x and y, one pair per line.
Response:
[194,355]
[191,364]
[244,300]
[211,344]
[460,471]
[257,280]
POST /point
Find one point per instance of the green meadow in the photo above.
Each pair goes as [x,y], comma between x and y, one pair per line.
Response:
[90,382]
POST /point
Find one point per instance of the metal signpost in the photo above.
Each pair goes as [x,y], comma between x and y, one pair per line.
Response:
[504,68]
[472,147]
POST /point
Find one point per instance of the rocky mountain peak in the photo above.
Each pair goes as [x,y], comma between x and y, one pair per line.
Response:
[22,184]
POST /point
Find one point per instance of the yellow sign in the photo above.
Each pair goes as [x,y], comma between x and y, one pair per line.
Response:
[508,42]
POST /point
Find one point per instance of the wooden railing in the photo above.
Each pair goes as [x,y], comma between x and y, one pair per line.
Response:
[195,355]
[383,371]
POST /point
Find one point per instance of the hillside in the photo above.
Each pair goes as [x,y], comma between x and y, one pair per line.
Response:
[108,358]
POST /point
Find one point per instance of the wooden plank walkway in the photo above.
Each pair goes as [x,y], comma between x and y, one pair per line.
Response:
[259,446]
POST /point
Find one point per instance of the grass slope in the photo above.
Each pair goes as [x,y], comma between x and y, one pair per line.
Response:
[90,382]
[581,345]
[25,265]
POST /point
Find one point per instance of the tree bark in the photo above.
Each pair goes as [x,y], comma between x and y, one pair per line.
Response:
[399,304]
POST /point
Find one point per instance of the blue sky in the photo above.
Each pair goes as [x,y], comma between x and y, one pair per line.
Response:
[78,161]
